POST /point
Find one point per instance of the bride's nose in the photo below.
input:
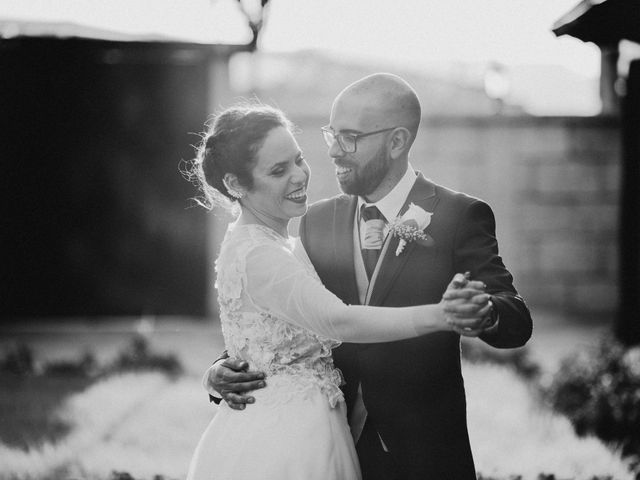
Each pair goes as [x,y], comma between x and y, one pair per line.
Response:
[300,174]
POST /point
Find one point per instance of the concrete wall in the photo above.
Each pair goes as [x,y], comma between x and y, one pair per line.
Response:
[553,184]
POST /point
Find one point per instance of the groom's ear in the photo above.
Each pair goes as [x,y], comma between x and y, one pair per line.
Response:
[400,142]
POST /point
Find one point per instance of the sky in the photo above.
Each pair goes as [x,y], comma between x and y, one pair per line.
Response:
[420,35]
[413,32]
[416,32]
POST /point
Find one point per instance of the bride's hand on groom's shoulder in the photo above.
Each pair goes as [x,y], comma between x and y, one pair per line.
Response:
[467,306]
[230,379]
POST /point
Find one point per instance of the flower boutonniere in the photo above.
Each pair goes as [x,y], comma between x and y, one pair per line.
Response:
[409,227]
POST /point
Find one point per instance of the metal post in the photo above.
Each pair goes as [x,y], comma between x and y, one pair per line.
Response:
[628,321]
[608,77]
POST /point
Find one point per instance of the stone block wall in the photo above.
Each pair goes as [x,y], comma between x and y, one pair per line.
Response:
[553,183]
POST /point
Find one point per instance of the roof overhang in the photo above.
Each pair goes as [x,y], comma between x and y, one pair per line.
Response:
[603,22]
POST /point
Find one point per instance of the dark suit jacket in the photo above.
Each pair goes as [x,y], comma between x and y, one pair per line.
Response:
[413,389]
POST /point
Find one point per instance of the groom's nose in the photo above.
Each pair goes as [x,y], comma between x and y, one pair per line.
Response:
[334,150]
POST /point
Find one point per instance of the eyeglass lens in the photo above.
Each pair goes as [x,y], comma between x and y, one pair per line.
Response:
[347,142]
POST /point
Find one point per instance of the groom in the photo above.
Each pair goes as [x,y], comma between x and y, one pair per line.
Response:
[406,399]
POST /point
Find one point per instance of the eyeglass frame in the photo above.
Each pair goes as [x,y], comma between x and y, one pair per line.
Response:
[338,137]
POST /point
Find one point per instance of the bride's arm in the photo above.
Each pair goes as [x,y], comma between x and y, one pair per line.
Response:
[279,283]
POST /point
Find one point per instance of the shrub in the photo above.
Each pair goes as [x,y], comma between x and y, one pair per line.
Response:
[115,475]
[137,356]
[85,366]
[598,389]
[542,476]
[18,361]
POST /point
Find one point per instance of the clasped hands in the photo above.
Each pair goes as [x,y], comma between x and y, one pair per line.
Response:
[468,308]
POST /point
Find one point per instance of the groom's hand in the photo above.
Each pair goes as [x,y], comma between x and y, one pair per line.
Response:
[467,306]
[232,380]
[473,326]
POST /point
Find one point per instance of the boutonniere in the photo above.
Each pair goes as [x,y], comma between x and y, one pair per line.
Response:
[409,227]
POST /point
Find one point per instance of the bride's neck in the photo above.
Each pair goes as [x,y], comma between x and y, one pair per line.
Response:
[250,215]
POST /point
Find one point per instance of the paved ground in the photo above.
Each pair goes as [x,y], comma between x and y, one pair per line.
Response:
[199,341]
[125,410]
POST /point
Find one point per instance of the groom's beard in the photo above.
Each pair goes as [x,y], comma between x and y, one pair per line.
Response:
[366,178]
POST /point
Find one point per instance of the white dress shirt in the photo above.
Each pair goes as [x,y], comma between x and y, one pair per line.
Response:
[391,203]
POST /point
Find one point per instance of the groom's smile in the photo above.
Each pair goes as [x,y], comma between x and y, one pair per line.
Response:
[342,172]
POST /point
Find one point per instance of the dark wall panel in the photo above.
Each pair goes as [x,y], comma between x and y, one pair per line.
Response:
[95,217]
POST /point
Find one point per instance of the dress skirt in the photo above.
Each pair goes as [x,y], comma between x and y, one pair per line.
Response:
[278,437]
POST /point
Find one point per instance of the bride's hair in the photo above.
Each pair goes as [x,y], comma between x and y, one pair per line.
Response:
[230,145]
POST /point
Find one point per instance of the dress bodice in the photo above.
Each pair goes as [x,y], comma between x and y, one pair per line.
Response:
[271,339]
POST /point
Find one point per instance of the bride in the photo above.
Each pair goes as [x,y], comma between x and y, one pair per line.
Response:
[277,316]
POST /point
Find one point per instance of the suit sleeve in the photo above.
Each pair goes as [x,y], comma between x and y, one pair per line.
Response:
[476,250]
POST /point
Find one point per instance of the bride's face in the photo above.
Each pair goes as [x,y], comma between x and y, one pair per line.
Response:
[280,177]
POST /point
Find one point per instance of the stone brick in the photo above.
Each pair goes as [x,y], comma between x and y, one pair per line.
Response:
[542,218]
[597,138]
[538,139]
[572,255]
[581,219]
[542,292]
[598,158]
[611,259]
[522,259]
[568,178]
[612,177]
[593,296]
[454,138]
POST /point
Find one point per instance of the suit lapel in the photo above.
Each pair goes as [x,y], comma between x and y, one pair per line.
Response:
[343,253]
[423,195]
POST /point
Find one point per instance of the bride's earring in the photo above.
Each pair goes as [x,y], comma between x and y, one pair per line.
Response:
[233,192]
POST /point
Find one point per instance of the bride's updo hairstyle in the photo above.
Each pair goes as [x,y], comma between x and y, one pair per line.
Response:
[230,146]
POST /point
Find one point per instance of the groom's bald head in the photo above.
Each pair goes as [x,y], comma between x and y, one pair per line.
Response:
[384,100]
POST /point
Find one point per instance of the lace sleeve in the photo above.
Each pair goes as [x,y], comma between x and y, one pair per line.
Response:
[281,284]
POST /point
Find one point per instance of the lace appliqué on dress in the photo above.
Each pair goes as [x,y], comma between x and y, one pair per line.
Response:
[296,360]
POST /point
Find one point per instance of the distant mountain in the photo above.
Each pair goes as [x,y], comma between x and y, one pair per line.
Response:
[306,82]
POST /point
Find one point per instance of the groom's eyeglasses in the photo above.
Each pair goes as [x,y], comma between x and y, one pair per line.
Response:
[348,141]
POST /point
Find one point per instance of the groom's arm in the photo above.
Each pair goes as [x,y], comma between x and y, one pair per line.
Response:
[476,251]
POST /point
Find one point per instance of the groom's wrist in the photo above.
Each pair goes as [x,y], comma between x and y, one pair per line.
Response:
[492,319]
[214,395]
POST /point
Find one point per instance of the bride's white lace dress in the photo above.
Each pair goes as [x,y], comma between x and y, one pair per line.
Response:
[271,303]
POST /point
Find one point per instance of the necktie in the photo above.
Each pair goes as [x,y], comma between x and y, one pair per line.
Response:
[373,237]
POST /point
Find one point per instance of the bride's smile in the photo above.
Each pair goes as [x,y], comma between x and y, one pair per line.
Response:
[298,196]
